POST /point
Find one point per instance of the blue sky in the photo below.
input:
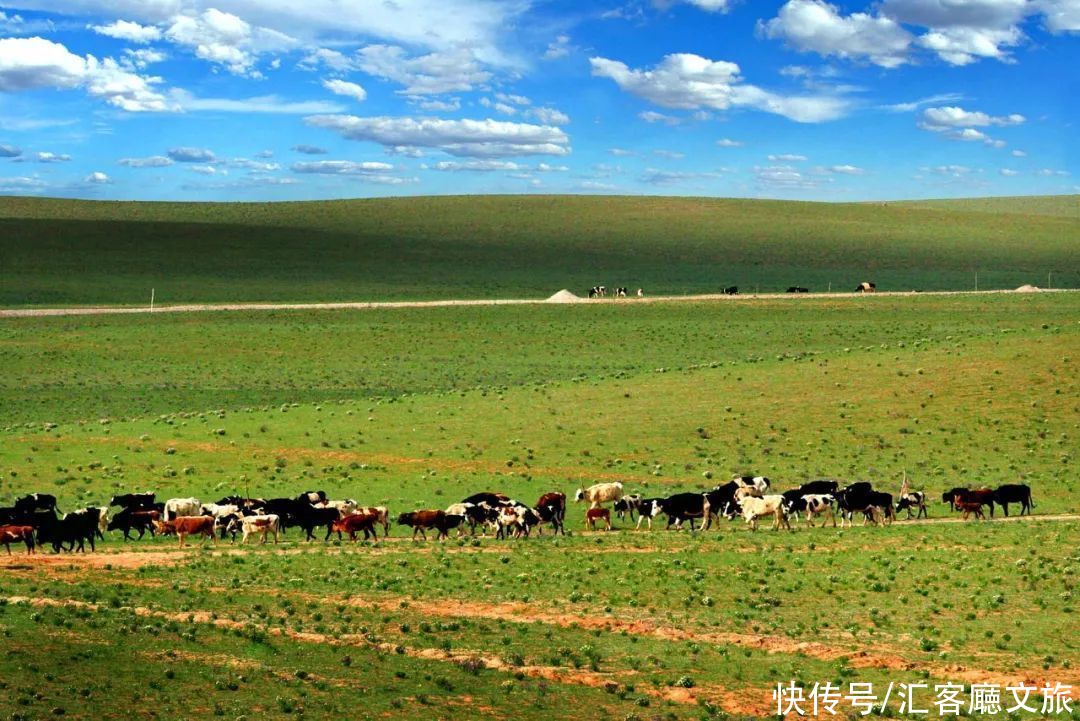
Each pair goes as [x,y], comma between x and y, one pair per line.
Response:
[280,100]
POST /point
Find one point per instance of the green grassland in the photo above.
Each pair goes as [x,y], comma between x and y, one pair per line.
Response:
[1064,206]
[62,252]
[418,407]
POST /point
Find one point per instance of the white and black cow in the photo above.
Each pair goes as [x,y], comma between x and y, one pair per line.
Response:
[914,500]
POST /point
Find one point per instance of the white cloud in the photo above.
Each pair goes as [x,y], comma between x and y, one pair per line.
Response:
[669,154]
[558,48]
[621,152]
[729,143]
[468,138]
[711,6]
[309,149]
[343,87]
[787,158]
[1009,173]
[954,171]
[22,184]
[846,170]
[226,40]
[154,161]
[1050,172]
[328,58]
[30,63]
[271,104]
[367,171]
[1060,15]
[1018,154]
[436,106]
[97,178]
[139,59]
[47,157]
[254,166]
[785,178]
[548,116]
[207,170]
[652,176]
[690,82]
[651,116]
[191,155]
[955,117]
[478,166]
[817,26]
[962,46]
[916,104]
[126,30]
[9,151]
[443,71]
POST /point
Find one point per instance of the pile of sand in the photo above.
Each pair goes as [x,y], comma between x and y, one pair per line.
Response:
[1028,289]
[564,296]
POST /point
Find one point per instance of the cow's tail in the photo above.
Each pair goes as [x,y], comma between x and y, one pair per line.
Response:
[1031,499]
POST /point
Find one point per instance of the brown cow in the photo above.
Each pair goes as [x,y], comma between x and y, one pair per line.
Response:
[12,534]
[970,507]
[557,502]
[185,526]
[981,496]
[421,520]
[594,514]
[357,522]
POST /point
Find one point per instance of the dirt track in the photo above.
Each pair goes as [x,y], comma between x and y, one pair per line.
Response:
[376,305]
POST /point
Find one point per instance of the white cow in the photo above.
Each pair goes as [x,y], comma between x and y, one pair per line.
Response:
[755,508]
[218,511]
[599,493]
[261,525]
[345,508]
[177,507]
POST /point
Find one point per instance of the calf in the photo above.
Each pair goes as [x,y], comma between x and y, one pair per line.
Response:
[951,495]
[1014,493]
[982,496]
[141,521]
[13,534]
[648,509]
[420,521]
[866,287]
[448,522]
[593,515]
[914,500]
[356,522]
[755,508]
[188,526]
[761,483]
[814,504]
[251,525]
[969,507]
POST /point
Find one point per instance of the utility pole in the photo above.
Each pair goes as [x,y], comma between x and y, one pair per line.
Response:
[976,281]
[151,300]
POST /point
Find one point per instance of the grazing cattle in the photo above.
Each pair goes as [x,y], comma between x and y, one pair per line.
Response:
[761,483]
[141,521]
[74,529]
[599,493]
[627,506]
[798,289]
[491,499]
[866,287]
[284,508]
[185,526]
[219,510]
[648,509]
[14,534]
[309,517]
[244,504]
[344,508]
[252,525]
[553,515]
[37,503]
[133,500]
[731,290]
[101,513]
[593,515]
[382,514]
[178,507]
[515,517]
[748,492]
[861,498]
[556,500]
[969,507]
[950,496]
[357,522]
[915,500]
[819,487]
[313,497]
[1014,493]
[812,504]
[755,508]
[420,521]
[640,293]
[684,507]
[982,496]
[620,292]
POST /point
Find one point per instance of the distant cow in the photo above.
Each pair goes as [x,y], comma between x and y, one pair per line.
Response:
[101,513]
[627,505]
[755,508]
[74,529]
[969,507]
[177,507]
[134,500]
[593,515]
[761,483]
[731,290]
[356,522]
[141,521]
[914,500]
[14,534]
[554,499]
[866,287]
[599,493]
[312,497]
[648,509]
[420,521]
[798,289]
[684,507]
[1014,493]
[37,502]
[185,526]
[982,496]
[492,499]
[551,514]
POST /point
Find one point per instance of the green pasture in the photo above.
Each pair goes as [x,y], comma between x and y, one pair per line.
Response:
[66,252]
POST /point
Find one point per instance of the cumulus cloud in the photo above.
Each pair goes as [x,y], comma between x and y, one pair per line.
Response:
[846,170]
[31,63]
[1009,172]
[226,40]
[97,178]
[548,116]
[271,104]
[467,138]
[560,47]
[690,82]
[651,116]
[914,105]
[9,151]
[956,117]
[367,171]
[126,30]
[817,26]
[47,157]
[443,71]
[309,149]
[728,143]
[191,155]
[787,158]
[1060,16]
[652,176]
[477,166]
[344,87]
[140,58]
[154,161]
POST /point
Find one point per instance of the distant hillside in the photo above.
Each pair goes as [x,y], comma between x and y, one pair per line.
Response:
[1064,206]
[63,252]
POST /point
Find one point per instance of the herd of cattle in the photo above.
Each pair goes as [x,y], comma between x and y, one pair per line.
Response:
[36,520]
[600,291]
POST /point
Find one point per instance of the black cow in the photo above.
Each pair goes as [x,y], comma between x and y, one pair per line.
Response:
[134,501]
[683,507]
[722,501]
[552,514]
[312,497]
[982,496]
[310,517]
[75,528]
[37,502]
[860,497]
[819,487]
[491,499]
[129,519]
[798,289]
[951,495]
[648,509]
[731,290]
[1014,493]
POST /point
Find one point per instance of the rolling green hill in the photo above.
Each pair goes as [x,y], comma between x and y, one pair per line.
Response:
[63,252]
